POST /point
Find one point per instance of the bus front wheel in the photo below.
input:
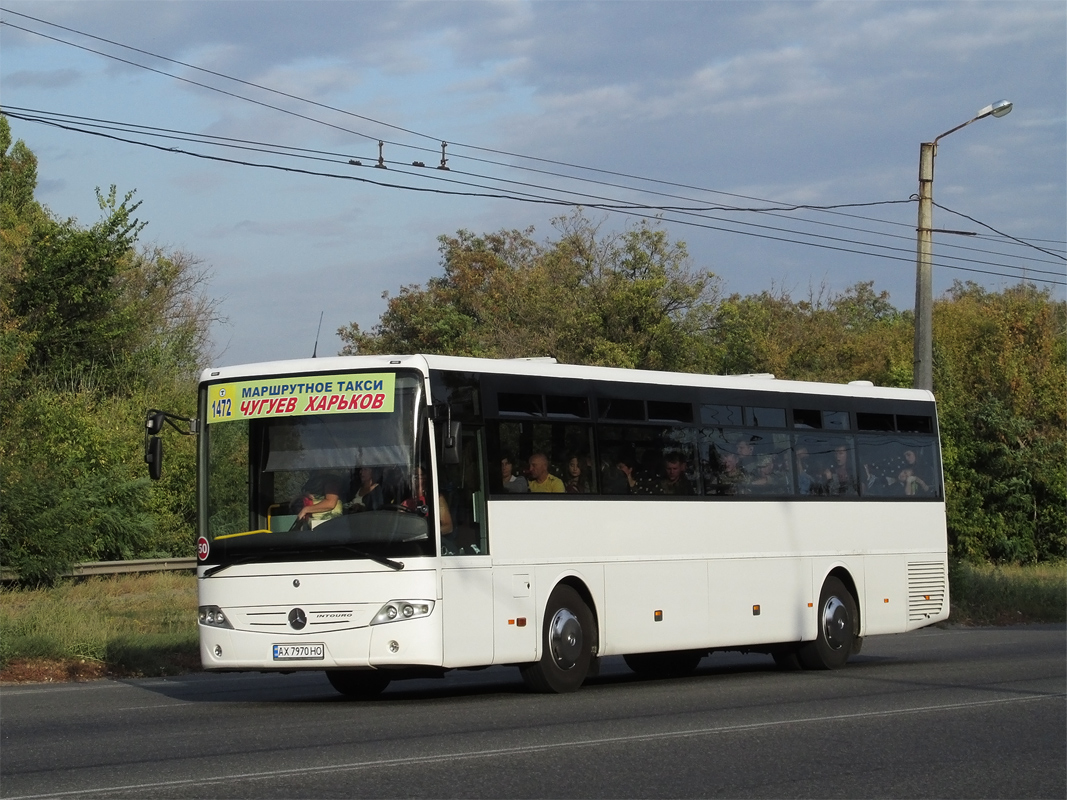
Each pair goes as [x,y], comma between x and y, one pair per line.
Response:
[566,647]
[837,629]
[362,684]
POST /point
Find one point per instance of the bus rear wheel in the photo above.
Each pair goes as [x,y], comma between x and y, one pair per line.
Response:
[567,641]
[837,629]
[362,684]
[677,664]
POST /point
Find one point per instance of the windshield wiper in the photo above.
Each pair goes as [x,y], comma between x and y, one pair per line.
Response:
[220,567]
[385,562]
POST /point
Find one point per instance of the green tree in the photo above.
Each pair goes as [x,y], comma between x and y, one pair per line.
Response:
[630,300]
[853,335]
[20,216]
[93,330]
[1000,374]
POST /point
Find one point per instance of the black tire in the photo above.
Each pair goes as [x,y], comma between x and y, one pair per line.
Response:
[676,664]
[838,627]
[362,684]
[567,638]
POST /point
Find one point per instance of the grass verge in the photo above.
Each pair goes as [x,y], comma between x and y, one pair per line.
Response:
[123,625]
[983,594]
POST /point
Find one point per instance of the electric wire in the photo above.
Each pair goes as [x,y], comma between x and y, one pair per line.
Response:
[599,201]
[765,210]
[526,198]
[406,130]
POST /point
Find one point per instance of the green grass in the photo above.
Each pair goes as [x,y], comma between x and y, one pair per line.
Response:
[146,624]
[983,594]
[142,624]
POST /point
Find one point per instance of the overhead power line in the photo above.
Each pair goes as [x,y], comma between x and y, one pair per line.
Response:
[828,243]
[570,197]
[774,207]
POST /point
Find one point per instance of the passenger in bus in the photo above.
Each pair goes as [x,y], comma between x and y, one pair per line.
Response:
[321,499]
[418,502]
[541,480]
[577,478]
[874,482]
[639,480]
[369,495]
[676,482]
[394,486]
[511,481]
[840,477]
[730,476]
[746,454]
[806,481]
[615,473]
[911,475]
[768,478]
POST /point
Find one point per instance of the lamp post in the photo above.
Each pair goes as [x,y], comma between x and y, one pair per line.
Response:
[924,292]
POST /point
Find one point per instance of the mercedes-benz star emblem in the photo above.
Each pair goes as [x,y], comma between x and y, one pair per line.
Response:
[297,619]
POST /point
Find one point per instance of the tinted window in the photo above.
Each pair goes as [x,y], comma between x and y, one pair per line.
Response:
[765,417]
[675,412]
[720,415]
[874,422]
[835,420]
[526,404]
[911,424]
[622,409]
[648,460]
[826,465]
[559,442]
[806,418]
[561,406]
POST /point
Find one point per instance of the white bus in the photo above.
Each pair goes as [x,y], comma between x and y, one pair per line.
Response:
[391,517]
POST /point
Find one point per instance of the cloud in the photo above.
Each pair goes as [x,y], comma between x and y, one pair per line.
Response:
[42,79]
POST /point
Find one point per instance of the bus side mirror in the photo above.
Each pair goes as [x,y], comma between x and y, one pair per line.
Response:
[154,422]
[153,456]
[450,442]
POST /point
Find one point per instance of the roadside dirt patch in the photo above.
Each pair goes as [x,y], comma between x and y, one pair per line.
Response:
[49,671]
[67,671]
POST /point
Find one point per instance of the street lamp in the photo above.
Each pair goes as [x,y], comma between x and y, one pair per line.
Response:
[924,292]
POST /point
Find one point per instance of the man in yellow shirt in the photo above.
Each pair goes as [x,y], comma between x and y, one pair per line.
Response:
[540,479]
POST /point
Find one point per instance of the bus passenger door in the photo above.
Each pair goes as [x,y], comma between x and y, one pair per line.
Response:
[467,576]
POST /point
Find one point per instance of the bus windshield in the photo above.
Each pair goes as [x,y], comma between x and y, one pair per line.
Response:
[315,467]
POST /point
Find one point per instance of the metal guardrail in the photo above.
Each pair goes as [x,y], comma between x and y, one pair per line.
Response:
[119,567]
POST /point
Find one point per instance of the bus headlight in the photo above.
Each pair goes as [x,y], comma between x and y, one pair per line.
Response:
[213,617]
[402,609]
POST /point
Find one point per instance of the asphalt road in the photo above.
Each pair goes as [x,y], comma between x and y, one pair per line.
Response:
[936,713]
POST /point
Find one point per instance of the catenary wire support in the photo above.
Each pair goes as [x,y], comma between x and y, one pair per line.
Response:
[444,161]
[381,157]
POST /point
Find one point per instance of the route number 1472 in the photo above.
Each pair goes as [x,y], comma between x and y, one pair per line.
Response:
[221,408]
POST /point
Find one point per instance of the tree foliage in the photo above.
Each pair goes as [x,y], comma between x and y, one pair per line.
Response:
[854,335]
[1000,372]
[630,299]
[93,330]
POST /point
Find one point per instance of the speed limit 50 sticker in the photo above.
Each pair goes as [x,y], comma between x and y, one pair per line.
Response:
[203,547]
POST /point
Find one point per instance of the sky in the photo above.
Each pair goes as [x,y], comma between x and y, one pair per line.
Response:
[696,112]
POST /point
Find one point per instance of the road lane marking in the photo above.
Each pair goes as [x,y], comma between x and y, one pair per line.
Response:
[534,748]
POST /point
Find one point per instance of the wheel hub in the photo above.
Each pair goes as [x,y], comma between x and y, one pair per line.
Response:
[835,623]
[565,639]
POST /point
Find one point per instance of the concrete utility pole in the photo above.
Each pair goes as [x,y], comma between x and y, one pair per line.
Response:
[924,244]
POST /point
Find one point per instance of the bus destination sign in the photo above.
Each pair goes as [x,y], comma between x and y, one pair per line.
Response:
[358,393]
